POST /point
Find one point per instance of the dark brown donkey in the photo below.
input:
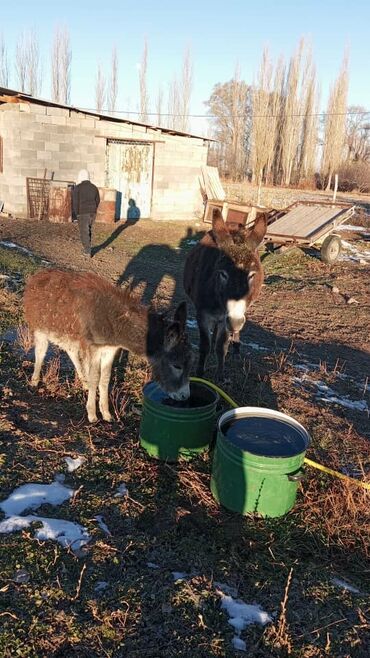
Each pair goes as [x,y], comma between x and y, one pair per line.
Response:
[91,319]
[223,276]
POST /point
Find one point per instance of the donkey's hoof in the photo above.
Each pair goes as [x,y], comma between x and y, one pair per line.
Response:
[107,417]
[92,418]
[34,382]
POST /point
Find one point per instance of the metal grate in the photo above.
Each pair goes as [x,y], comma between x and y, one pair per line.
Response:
[38,197]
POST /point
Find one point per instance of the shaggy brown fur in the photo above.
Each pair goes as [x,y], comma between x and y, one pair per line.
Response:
[91,319]
[223,276]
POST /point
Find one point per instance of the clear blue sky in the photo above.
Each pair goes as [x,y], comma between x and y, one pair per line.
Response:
[219,33]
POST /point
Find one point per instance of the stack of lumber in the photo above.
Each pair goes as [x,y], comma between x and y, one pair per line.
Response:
[211,184]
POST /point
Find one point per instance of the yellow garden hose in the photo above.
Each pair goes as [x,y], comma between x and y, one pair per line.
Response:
[309,462]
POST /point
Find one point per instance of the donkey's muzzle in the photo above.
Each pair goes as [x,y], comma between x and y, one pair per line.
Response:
[182,393]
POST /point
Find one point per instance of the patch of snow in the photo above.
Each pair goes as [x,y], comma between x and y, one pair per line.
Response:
[342,583]
[152,565]
[32,496]
[327,394]
[13,245]
[59,477]
[238,643]
[192,324]
[122,491]
[254,346]
[242,615]
[179,575]
[21,576]
[226,589]
[67,533]
[355,254]
[356,405]
[100,586]
[352,227]
[74,464]
[101,523]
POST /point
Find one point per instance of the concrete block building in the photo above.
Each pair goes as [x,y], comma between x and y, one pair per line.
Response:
[157,168]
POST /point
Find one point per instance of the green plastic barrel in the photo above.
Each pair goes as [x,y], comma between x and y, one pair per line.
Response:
[258,460]
[170,430]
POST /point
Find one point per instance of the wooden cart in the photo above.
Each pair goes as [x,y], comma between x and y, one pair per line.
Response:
[309,224]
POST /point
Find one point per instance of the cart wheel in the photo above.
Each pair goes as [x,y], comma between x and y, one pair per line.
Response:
[330,249]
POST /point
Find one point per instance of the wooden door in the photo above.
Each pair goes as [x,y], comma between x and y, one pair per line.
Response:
[130,172]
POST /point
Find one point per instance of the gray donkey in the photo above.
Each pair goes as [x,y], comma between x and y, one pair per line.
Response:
[223,276]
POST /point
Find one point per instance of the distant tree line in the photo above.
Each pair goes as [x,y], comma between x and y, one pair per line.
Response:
[273,133]
[28,75]
[270,131]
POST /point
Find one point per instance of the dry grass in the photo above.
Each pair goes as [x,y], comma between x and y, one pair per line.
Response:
[171,519]
[339,511]
[278,633]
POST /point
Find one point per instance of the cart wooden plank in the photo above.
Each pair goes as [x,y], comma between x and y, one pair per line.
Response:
[305,223]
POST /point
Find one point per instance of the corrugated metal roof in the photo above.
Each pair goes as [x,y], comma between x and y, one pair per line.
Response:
[42,101]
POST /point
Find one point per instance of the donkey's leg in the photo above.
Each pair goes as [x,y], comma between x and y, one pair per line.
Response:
[73,351]
[41,346]
[222,346]
[204,341]
[94,375]
[214,337]
[106,362]
[236,344]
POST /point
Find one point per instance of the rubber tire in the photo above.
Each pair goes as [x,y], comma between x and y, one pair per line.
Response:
[330,249]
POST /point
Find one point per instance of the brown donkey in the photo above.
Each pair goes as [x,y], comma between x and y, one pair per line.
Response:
[91,319]
[223,275]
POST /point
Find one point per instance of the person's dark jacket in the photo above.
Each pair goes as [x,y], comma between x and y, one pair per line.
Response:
[85,198]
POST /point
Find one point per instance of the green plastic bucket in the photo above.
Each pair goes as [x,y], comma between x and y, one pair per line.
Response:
[168,431]
[258,460]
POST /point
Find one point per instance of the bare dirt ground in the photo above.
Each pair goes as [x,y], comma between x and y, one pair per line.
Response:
[305,352]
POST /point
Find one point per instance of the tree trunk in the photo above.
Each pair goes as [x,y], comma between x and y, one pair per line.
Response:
[329,183]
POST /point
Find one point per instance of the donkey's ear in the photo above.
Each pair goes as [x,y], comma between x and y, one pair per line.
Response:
[255,237]
[181,315]
[172,336]
[219,229]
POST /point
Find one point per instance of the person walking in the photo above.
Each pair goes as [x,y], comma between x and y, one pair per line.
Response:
[85,202]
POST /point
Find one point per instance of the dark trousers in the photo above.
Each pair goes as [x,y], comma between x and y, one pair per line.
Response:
[85,224]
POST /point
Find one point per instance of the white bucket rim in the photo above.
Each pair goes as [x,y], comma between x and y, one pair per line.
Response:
[261,412]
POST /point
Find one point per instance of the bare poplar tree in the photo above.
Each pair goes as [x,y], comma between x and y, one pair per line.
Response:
[358,134]
[266,100]
[185,91]
[61,66]
[28,65]
[291,117]
[335,125]
[159,105]
[144,98]
[4,66]
[21,62]
[100,89]
[309,140]
[113,83]
[239,118]
[174,109]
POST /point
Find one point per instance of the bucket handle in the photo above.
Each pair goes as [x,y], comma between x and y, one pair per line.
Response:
[297,476]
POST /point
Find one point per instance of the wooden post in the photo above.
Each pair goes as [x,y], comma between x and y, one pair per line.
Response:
[42,199]
[335,188]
